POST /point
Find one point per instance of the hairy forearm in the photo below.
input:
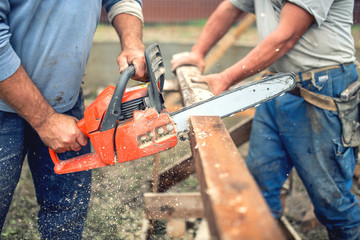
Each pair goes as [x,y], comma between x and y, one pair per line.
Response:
[57,131]
[216,26]
[129,29]
[260,58]
[21,94]
[294,22]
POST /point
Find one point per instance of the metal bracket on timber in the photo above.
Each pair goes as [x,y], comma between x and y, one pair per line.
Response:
[234,207]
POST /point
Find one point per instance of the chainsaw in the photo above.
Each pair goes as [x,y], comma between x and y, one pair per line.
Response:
[125,124]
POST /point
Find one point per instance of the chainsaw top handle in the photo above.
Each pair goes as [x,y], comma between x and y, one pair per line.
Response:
[113,113]
[156,71]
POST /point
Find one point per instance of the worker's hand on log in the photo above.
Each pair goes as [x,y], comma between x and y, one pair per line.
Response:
[136,57]
[192,58]
[60,133]
[217,82]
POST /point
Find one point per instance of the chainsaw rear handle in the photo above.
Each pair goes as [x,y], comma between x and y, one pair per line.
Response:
[79,163]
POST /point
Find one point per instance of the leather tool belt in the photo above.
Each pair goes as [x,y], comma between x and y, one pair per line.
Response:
[347,106]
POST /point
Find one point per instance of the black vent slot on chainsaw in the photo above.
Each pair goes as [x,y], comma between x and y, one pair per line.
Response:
[127,108]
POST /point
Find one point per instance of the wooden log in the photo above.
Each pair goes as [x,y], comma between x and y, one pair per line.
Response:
[233,204]
[173,205]
[182,169]
[179,171]
[191,92]
[357,172]
[156,169]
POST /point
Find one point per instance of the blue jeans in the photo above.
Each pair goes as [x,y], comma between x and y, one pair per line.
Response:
[287,132]
[63,199]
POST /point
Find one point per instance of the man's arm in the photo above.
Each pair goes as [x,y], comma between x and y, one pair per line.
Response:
[294,21]
[57,131]
[129,29]
[215,28]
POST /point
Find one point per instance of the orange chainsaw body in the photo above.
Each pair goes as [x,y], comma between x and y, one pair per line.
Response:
[151,133]
[147,133]
[125,124]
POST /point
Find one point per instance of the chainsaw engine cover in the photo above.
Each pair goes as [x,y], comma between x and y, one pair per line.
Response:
[132,100]
[149,132]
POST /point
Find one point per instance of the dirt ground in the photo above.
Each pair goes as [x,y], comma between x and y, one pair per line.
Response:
[116,209]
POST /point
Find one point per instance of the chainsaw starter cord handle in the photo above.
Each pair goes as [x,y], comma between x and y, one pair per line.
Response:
[113,112]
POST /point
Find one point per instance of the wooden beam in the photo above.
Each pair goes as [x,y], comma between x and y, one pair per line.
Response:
[173,205]
[357,171]
[183,168]
[234,206]
[156,169]
[179,171]
[191,92]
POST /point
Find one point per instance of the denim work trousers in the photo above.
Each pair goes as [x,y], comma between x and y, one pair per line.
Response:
[287,132]
[63,199]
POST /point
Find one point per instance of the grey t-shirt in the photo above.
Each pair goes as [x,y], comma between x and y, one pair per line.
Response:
[327,42]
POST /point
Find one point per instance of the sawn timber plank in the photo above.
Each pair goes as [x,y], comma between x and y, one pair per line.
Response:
[234,207]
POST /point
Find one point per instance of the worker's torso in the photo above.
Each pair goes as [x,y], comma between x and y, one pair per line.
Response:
[53,40]
[327,42]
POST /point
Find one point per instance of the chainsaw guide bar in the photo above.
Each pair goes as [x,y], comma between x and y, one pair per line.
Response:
[236,100]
